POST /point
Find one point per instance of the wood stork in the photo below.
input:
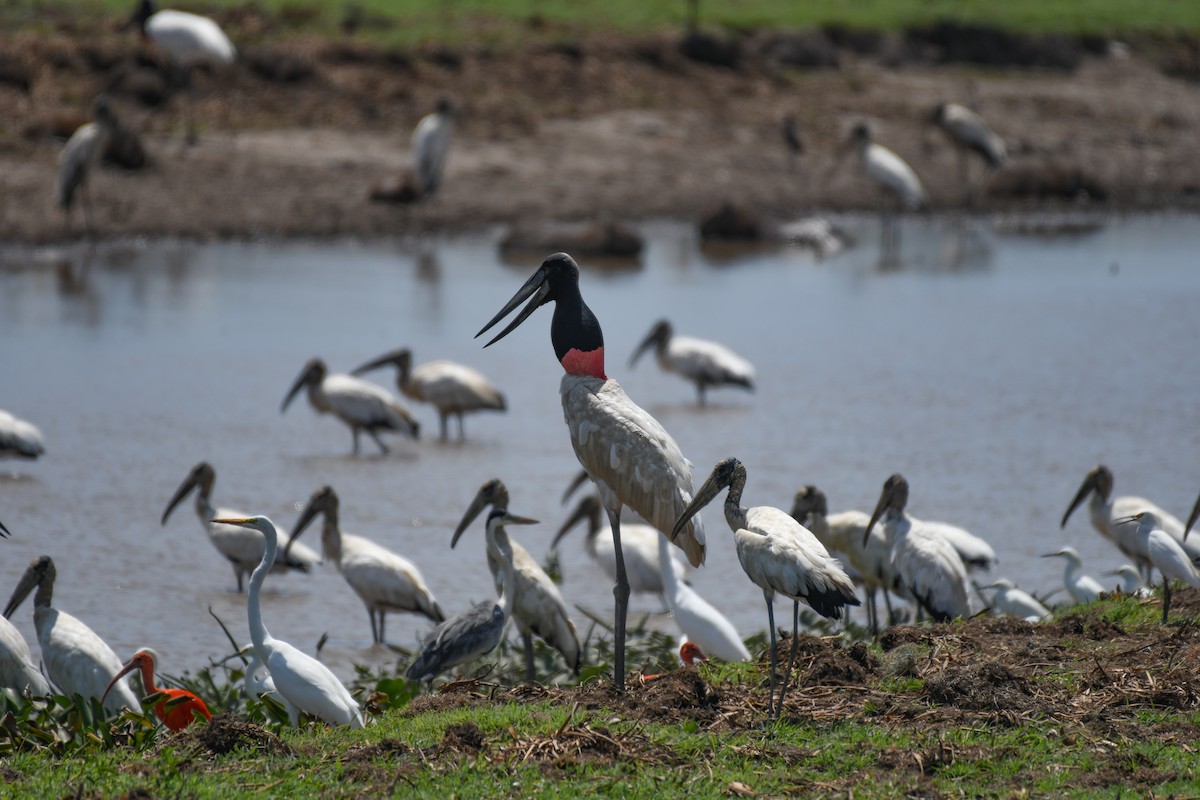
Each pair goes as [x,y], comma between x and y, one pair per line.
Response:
[18,438]
[779,555]
[177,708]
[362,405]
[624,450]
[969,133]
[383,580]
[1010,601]
[1131,580]
[702,362]
[887,170]
[453,389]
[536,605]
[639,543]
[477,631]
[1192,517]
[843,533]
[306,683]
[243,547]
[1082,588]
[1163,551]
[976,554]
[189,40]
[17,668]
[924,563]
[431,146]
[80,154]
[1104,511]
[77,660]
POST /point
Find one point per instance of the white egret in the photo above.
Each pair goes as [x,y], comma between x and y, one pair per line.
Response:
[536,605]
[477,631]
[299,678]
[702,362]
[431,146]
[360,404]
[779,555]
[624,450]
[453,389]
[1010,601]
[382,579]
[242,547]
[698,620]
[17,668]
[1131,581]
[80,155]
[1163,551]
[924,563]
[77,660]
[1082,588]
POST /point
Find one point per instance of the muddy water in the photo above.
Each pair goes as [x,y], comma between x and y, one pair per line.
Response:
[991,368]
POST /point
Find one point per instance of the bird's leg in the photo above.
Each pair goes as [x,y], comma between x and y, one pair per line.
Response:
[1166,597]
[621,595]
[374,631]
[887,601]
[872,614]
[700,391]
[462,433]
[964,177]
[87,210]
[237,573]
[354,432]
[383,448]
[771,628]
[527,641]
[442,425]
[787,675]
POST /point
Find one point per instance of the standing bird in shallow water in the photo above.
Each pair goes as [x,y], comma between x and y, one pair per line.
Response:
[77,660]
[779,555]
[1163,552]
[702,362]
[307,684]
[79,156]
[969,133]
[243,547]
[1082,588]
[477,631]
[431,146]
[189,40]
[360,404]
[383,580]
[626,452]
[893,177]
[536,605]
[453,389]
[177,708]
[925,565]
[18,438]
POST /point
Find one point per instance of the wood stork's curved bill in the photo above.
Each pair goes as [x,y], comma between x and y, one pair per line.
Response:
[35,573]
[512,519]
[581,479]
[538,286]
[194,479]
[1095,481]
[318,503]
[894,495]
[1191,520]
[588,508]
[721,477]
[402,358]
[312,372]
[659,333]
[493,493]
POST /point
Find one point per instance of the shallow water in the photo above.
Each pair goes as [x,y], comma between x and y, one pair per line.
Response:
[992,369]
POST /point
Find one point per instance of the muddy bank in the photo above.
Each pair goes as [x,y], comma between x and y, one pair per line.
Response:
[295,135]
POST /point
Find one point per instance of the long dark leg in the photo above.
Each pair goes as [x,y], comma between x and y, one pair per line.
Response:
[964,178]
[382,617]
[383,448]
[527,640]
[887,601]
[771,628]
[237,573]
[354,431]
[374,630]
[443,425]
[1166,597]
[787,675]
[873,613]
[621,595]
[462,433]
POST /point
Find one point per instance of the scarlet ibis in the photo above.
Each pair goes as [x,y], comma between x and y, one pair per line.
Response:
[18,438]
[362,405]
[536,606]
[177,708]
[307,684]
[383,580]
[77,660]
[242,547]
[689,655]
[431,146]
[779,555]
[1163,552]
[1082,588]
[924,564]
[453,389]
[702,362]
[81,153]
[478,630]
[624,450]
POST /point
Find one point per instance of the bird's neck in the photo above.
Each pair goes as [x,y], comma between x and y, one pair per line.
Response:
[258,629]
[331,538]
[45,595]
[500,548]
[148,679]
[577,338]
[666,567]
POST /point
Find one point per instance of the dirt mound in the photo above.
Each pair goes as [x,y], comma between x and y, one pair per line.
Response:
[571,745]
[990,686]
[673,696]
[225,733]
[828,662]
[388,748]
[464,737]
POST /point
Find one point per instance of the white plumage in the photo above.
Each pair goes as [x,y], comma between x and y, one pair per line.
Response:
[361,405]
[1013,602]
[924,563]
[77,660]
[702,362]
[189,39]
[242,547]
[698,620]
[17,668]
[968,131]
[1104,511]
[1082,588]
[888,171]
[453,389]
[18,438]
[431,147]
[306,683]
[976,554]
[81,154]
[639,544]
[1163,552]
[1131,581]
[536,605]
[778,554]
[383,580]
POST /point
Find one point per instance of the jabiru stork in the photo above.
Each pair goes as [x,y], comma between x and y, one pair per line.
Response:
[625,451]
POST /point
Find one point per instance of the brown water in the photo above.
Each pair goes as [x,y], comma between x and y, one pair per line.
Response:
[993,370]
